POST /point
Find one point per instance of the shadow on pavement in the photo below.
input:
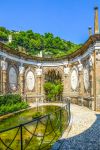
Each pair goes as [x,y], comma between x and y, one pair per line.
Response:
[87,140]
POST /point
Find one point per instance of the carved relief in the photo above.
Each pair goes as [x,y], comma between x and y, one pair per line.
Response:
[74,79]
[86,78]
[39,71]
[30,80]
[66,70]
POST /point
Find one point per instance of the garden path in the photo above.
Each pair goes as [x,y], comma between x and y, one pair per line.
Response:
[84,133]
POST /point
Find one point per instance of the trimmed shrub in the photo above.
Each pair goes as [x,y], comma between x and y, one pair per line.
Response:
[4,109]
[10,103]
[10,99]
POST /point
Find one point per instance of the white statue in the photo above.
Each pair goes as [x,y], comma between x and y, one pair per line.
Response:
[21,69]
[3,65]
[80,66]
[39,71]
[66,70]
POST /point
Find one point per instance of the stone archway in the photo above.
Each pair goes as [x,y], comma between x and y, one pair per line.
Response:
[53,85]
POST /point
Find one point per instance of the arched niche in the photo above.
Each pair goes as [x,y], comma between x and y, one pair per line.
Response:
[30,79]
[74,78]
[13,78]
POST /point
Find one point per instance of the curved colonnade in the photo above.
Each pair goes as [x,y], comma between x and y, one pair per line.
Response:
[24,74]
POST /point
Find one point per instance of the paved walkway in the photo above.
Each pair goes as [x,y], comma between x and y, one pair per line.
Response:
[85,131]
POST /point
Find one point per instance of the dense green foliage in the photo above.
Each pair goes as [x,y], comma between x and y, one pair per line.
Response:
[53,91]
[4,109]
[10,103]
[33,43]
[53,85]
[10,99]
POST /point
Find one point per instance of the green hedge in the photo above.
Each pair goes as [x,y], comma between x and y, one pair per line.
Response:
[10,99]
[4,109]
[10,103]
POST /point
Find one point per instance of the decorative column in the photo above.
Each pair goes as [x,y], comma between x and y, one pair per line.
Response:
[39,83]
[97,75]
[4,83]
[96,78]
[92,67]
[66,92]
[21,79]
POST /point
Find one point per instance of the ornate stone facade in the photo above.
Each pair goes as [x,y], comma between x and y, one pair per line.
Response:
[79,71]
[80,74]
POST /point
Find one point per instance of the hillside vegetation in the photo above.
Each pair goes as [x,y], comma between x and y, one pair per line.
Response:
[34,43]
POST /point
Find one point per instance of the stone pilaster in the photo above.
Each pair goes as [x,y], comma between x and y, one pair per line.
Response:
[92,87]
[81,88]
[39,83]
[66,87]
[97,81]
[94,80]
[21,80]
[81,84]
[4,83]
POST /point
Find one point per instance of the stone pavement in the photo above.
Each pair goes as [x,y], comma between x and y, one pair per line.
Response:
[84,133]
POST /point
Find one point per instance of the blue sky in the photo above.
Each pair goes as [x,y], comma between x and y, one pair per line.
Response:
[68,19]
